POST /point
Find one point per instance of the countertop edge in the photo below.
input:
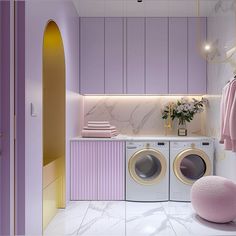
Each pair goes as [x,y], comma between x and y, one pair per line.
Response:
[144,138]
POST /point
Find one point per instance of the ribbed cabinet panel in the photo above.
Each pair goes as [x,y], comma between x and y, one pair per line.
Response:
[111,169]
[97,170]
[84,170]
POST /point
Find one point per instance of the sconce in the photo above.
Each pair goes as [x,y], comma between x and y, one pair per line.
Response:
[213,50]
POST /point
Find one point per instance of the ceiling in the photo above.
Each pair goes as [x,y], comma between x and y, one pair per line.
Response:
[148,8]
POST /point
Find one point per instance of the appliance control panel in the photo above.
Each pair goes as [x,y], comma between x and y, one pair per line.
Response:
[192,144]
[146,144]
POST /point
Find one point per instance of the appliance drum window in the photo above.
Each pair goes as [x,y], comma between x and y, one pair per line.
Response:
[148,167]
[191,164]
[193,167]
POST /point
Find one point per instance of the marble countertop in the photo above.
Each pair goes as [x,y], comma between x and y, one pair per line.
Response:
[145,138]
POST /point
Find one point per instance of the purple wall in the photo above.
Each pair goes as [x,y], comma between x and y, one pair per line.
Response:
[20,114]
[37,15]
[5,117]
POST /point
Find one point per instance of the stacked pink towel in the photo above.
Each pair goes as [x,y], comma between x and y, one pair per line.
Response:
[99,129]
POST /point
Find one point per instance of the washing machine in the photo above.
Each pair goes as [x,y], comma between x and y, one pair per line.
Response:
[189,161]
[147,171]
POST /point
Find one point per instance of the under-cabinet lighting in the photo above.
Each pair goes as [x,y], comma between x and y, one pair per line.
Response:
[143,95]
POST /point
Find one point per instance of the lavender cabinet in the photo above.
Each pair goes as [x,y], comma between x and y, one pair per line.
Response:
[92,55]
[114,53]
[97,170]
[156,55]
[196,63]
[178,55]
[135,55]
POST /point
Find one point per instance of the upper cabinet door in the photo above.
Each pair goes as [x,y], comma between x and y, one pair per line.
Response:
[114,53]
[196,63]
[157,55]
[178,56]
[92,55]
[135,49]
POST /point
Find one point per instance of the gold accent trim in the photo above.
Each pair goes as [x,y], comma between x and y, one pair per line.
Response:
[54,107]
[182,155]
[158,155]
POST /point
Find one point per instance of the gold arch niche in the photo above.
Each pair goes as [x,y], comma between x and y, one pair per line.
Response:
[53,122]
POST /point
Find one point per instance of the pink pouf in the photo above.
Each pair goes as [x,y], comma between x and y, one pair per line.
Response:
[214,199]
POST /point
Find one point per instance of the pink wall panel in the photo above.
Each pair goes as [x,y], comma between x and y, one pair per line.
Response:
[157,55]
[114,53]
[197,65]
[97,170]
[92,55]
[135,55]
[178,55]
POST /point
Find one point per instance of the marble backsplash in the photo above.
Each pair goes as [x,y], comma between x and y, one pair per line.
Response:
[222,29]
[136,115]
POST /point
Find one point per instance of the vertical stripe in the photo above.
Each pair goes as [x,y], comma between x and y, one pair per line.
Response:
[97,170]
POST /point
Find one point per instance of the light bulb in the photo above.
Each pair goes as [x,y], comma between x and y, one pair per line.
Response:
[207,47]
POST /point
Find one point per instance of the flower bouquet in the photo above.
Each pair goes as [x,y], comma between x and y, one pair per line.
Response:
[184,110]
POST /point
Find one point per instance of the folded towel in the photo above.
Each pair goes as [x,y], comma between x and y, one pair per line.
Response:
[99,133]
[98,122]
[99,128]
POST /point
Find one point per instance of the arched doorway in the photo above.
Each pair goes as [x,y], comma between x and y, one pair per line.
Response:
[53,122]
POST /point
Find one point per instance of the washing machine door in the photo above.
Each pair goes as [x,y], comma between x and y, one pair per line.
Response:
[147,167]
[191,164]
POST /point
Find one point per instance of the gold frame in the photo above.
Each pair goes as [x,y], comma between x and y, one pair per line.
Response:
[182,155]
[158,155]
[54,89]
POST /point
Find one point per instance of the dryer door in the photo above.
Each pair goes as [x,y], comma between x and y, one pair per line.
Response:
[192,164]
[147,167]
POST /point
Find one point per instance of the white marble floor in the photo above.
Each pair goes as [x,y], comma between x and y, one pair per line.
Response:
[133,219]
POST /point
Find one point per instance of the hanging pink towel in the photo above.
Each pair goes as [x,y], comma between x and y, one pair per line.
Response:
[224,102]
[232,119]
[228,116]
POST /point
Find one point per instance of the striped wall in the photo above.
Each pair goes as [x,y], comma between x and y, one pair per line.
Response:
[97,170]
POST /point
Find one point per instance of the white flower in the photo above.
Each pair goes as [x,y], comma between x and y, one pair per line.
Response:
[184,100]
[180,108]
[205,101]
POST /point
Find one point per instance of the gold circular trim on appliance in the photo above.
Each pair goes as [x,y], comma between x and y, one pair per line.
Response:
[182,155]
[142,153]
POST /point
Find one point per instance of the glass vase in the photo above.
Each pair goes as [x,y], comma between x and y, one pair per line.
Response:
[182,128]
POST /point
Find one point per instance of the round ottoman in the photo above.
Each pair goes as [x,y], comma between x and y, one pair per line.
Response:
[214,199]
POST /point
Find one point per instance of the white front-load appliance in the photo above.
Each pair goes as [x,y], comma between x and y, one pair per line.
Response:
[189,161]
[147,171]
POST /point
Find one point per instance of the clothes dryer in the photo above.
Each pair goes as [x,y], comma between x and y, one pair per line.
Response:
[147,171]
[189,161]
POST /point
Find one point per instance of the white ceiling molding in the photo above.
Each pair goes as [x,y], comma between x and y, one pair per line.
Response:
[148,8]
